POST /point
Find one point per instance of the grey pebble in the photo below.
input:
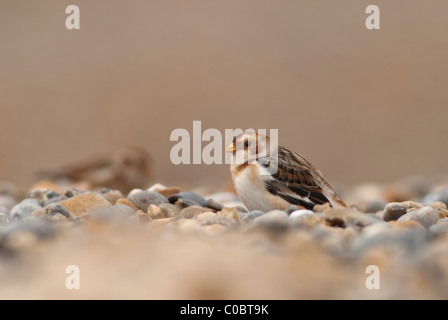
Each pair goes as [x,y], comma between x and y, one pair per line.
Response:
[24,208]
[426,216]
[184,203]
[251,215]
[56,208]
[188,195]
[213,204]
[438,229]
[7,202]
[441,195]
[142,199]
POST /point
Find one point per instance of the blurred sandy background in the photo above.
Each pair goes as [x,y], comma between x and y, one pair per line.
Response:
[362,105]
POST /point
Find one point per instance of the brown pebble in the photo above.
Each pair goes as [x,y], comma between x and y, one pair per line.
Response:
[439,205]
[409,224]
[321,207]
[228,212]
[126,202]
[190,212]
[85,202]
[169,191]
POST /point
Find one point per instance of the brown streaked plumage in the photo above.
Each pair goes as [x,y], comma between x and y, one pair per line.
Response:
[268,178]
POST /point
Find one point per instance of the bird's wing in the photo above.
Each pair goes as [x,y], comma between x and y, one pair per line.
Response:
[294,180]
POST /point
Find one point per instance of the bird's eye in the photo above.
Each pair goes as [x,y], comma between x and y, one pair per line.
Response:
[247,144]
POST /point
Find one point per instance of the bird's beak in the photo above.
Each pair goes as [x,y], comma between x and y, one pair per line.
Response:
[231,148]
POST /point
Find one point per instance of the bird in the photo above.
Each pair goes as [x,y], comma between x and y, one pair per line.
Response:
[269,177]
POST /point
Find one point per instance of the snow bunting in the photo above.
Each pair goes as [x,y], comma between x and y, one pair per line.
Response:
[269,177]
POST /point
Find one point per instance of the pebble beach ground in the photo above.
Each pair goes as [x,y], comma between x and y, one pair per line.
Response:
[168,243]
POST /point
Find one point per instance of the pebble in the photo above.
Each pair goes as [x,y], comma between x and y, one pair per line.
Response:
[156,212]
[274,215]
[58,209]
[190,212]
[7,202]
[299,215]
[441,196]
[184,203]
[144,198]
[111,195]
[170,210]
[207,217]
[126,202]
[229,213]
[251,215]
[167,192]
[24,208]
[118,212]
[426,216]
[291,209]
[189,196]
[213,204]
[85,202]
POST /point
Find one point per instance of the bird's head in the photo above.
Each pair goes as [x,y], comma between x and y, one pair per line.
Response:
[250,146]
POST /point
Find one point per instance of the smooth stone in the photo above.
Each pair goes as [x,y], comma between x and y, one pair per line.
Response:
[111,195]
[213,204]
[144,198]
[57,208]
[55,199]
[184,203]
[190,212]
[277,215]
[438,229]
[299,215]
[206,217]
[167,192]
[156,187]
[291,209]
[24,208]
[344,217]
[426,216]
[251,215]
[229,213]
[170,210]
[188,195]
[441,196]
[127,203]
[156,212]
[7,202]
[214,228]
[144,217]
[118,212]
[85,202]
[393,211]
